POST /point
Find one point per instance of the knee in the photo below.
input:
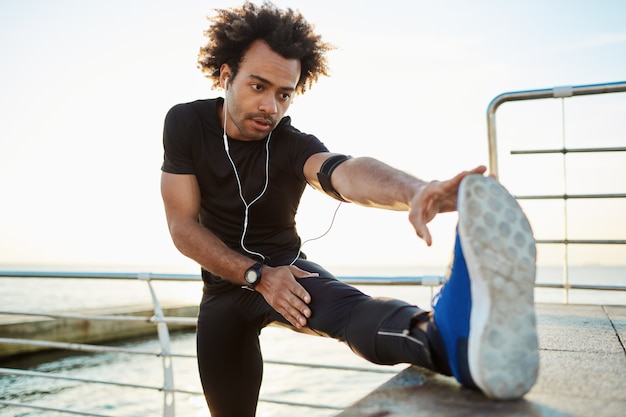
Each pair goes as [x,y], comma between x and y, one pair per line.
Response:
[367,319]
[332,303]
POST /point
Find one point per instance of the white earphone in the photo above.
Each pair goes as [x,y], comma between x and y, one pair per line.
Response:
[267,177]
[232,163]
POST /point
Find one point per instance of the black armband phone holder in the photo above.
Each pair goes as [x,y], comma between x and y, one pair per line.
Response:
[326,171]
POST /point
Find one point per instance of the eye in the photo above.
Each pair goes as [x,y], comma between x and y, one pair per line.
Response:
[257,87]
[285,96]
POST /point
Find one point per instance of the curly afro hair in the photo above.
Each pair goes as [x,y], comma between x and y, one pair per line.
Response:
[285,31]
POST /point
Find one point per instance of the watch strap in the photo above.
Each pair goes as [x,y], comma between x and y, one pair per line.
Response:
[257,267]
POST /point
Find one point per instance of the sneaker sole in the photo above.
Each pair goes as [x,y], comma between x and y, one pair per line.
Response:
[500,253]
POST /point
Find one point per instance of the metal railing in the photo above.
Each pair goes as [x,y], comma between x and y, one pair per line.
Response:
[562,93]
[161,321]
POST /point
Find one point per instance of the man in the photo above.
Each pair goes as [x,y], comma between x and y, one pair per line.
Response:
[232,178]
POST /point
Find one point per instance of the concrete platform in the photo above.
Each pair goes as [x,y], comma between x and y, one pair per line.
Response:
[582,373]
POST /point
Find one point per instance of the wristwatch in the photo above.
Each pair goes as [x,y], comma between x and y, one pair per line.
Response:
[252,276]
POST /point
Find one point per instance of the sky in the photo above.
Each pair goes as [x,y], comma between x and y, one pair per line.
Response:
[85,85]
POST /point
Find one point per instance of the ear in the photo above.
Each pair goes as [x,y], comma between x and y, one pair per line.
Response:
[225,76]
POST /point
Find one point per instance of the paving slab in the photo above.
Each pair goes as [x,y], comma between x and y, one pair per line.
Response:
[582,373]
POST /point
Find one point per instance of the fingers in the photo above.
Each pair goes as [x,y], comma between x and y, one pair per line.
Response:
[424,234]
[296,312]
[456,180]
[281,290]
[480,169]
[419,221]
[295,308]
[301,273]
[437,197]
[303,295]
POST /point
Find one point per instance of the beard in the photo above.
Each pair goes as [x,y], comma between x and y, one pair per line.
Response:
[249,125]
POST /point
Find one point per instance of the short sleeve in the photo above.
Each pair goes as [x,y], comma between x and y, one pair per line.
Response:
[177,147]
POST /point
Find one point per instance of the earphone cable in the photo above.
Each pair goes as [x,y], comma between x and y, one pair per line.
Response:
[240,188]
[248,205]
[330,226]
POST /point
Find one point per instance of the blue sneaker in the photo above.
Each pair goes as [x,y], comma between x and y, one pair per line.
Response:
[484,314]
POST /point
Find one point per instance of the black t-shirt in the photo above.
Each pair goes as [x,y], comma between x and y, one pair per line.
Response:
[193,143]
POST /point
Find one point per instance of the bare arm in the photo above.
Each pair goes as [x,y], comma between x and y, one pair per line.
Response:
[181,197]
[371,183]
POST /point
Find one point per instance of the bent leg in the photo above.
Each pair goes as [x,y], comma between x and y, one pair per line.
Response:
[229,356]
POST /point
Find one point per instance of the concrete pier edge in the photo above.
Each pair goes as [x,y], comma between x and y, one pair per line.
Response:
[85,331]
[582,373]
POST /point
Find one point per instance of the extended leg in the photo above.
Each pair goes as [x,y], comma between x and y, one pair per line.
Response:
[381,330]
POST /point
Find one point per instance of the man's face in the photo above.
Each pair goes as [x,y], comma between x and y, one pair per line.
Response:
[259,96]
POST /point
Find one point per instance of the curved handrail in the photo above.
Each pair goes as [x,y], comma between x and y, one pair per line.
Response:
[556,92]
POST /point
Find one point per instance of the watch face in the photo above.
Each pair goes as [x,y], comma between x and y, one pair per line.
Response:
[251,277]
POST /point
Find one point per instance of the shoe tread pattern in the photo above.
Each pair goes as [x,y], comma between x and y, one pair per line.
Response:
[500,252]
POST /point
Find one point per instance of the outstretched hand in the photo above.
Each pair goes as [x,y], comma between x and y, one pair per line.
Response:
[436,197]
[281,291]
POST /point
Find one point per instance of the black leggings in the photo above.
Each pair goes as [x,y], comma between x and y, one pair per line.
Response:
[229,356]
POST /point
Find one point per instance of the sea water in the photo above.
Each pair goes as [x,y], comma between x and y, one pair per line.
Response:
[337,388]
[284,383]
